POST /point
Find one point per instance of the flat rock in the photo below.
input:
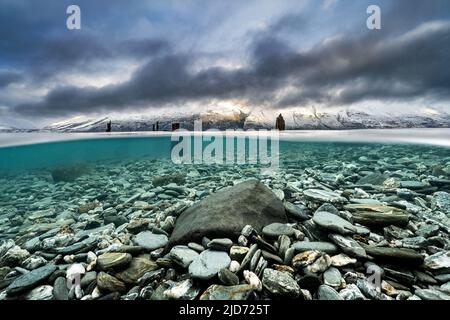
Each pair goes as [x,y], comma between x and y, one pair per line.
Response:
[333,222]
[351,292]
[432,294]
[274,230]
[223,244]
[30,279]
[305,258]
[395,255]
[228,278]
[60,290]
[44,292]
[113,260]
[297,212]
[136,269]
[328,293]
[342,260]
[208,264]
[226,212]
[332,277]
[327,247]
[324,196]
[349,246]
[183,255]
[150,240]
[13,257]
[218,292]
[438,260]
[376,179]
[320,265]
[413,185]
[280,283]
[42,214]
[109,283]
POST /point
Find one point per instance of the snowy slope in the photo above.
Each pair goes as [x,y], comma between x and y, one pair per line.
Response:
[301,119]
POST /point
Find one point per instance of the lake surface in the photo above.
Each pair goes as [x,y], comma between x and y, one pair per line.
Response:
[64,195]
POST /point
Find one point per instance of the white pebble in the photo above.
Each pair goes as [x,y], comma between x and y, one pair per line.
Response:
[75,271]
[234,266]
[253,280]
[95,293]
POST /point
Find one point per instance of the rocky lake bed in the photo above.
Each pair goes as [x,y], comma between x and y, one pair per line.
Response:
[334,222]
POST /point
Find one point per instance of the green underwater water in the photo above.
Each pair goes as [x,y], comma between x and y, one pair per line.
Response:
[17,159]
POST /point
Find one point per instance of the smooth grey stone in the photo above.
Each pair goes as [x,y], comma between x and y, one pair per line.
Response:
[271,257]
[208,264]
[289,255]
[228,278]
[333,222]
[248,257]
[60,290]
[136,269]
[183,256]
[413,184]
[223,244]
[30,280]
[255,259]
[151,241]
[327,247]
[196,247]
[395,255]
[297,212]
[431,294]
[113,260]
[275,230]
[349,246]
[223,213]
[328,207]
[373,179]
[88,278]
[324,196]
[285,243]
[332,277]
[325,292]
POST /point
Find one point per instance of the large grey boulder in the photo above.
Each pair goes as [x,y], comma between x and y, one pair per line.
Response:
[225,213]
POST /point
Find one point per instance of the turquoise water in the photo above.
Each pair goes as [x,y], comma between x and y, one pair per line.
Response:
[14,159]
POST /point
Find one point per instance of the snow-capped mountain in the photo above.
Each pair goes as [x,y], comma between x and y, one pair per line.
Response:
[299,119]
[5,128]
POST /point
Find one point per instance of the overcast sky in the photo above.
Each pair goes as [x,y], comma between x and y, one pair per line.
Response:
[135,55]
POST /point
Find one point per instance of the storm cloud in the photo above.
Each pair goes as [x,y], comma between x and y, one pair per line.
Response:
[291,60]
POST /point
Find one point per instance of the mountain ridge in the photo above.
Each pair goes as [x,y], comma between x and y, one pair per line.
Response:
[311,119]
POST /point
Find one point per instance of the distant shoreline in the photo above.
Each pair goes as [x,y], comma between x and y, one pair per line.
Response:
[431,136]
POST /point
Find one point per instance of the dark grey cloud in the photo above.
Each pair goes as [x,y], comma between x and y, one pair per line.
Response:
[361,68]
[8,77]
[407,59]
